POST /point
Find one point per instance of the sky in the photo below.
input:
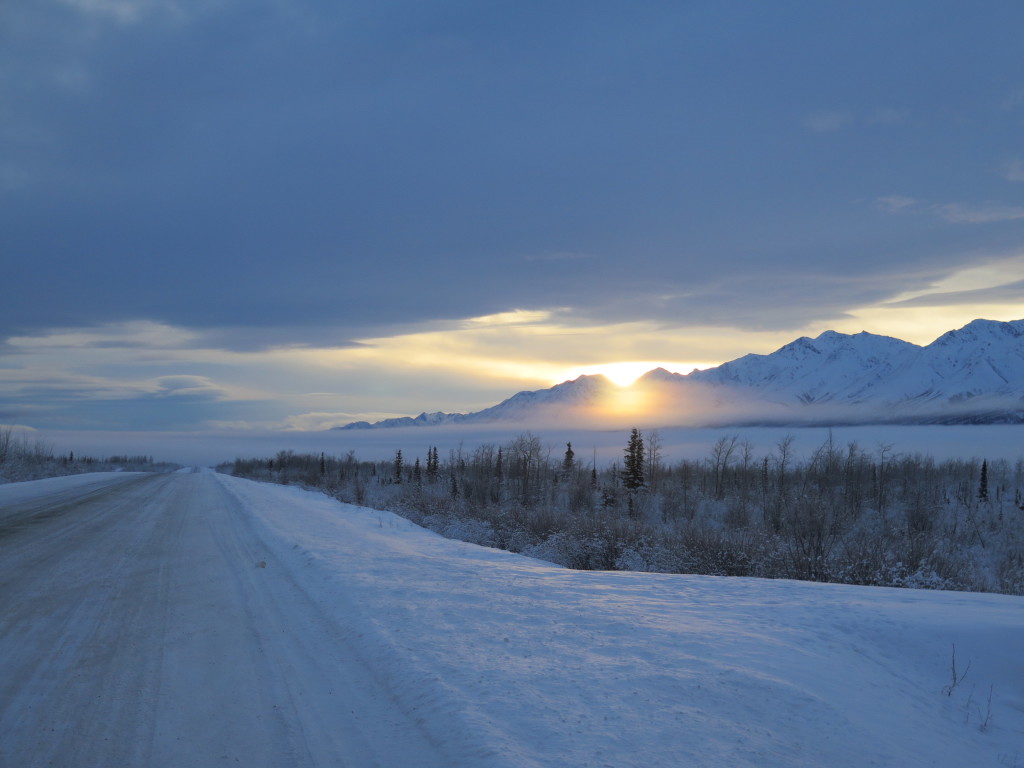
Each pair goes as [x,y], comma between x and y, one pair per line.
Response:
[293,214]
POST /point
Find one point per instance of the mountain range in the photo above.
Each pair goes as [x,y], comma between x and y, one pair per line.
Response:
[971,375]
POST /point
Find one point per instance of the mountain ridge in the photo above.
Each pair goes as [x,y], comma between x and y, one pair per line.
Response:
[973,374]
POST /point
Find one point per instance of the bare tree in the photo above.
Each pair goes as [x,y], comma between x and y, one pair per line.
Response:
[719,458]
[653,460]
[5,442]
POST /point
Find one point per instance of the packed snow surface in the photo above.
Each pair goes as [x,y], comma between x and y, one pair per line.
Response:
[363,628]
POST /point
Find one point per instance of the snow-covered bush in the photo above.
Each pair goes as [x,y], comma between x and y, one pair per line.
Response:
[843,515]
[24,457]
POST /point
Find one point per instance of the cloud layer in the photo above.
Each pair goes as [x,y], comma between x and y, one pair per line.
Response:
[203,201]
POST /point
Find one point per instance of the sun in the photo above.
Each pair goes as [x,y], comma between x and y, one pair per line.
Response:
[625,373]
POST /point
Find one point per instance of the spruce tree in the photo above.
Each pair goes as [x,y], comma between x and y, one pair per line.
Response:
[432,464]
[569,462]
[983,482]
[633,471]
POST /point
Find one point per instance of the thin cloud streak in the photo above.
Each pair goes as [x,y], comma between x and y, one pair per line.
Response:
[827,122]
[1013,170]
[957,213]
[987,213]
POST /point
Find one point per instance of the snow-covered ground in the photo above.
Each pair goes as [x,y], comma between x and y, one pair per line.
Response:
[529,664]
[366,640]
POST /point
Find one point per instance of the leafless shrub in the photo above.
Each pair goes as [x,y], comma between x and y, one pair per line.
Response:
[955,679]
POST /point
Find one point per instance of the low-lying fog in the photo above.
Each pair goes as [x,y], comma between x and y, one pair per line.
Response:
[210,448]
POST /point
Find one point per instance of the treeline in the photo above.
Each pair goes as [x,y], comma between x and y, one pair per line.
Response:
[844,514]
[24,458]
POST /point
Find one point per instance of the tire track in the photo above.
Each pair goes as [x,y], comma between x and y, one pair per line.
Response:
[137,629]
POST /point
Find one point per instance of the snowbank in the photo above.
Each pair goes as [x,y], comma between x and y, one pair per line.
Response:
[20,492]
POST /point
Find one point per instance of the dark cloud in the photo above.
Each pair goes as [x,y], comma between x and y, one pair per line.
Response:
[60,406]
[255,338]
[308,172]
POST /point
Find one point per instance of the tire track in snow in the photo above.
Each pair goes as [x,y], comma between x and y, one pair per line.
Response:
[137,629]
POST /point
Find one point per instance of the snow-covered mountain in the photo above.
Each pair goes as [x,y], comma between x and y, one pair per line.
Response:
[833,365]
[971,375]
[975,373]
[570,398]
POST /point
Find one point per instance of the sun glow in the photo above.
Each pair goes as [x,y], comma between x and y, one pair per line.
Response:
[625,373]
[626,403]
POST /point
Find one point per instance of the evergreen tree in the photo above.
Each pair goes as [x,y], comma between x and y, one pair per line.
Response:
[633,470]
[432,464]
[569,461]
[983,482]
[416,473]
[398,465]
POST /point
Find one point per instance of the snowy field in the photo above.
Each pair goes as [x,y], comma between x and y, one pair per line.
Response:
[211,448]
[285,628]
[525,664]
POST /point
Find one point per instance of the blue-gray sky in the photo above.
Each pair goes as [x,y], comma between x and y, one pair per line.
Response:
[296,214]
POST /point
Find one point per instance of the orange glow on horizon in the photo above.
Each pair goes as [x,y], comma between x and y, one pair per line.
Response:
[624,374]
[637,403]
[626,403]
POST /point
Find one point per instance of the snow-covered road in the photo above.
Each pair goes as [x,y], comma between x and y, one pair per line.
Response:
[203,620]
[148,625]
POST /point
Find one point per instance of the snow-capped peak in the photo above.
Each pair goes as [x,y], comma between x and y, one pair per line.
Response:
[975,373]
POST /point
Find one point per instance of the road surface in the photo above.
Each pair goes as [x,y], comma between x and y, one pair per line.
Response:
[143,622]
